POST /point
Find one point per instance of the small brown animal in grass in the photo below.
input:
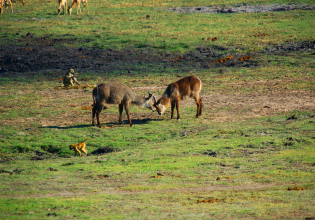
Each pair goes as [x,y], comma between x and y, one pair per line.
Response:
[80,147]
[70,78]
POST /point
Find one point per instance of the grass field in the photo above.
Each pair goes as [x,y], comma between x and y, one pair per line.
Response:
[250,155]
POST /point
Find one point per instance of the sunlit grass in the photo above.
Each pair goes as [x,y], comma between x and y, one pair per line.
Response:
[127,24]
[161,168]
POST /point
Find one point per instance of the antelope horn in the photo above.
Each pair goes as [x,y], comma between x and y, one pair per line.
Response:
[154,99]
[150,94]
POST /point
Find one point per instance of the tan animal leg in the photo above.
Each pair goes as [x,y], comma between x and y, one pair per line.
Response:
[11,5]
[128,114]
[93,115]
[87,8]
[96,110]
[3,3]
[199,105]
[75,80]
[172,109]
[70,8]
[85,151]
[78,8]
[177,108]
[77,151]
[98,119]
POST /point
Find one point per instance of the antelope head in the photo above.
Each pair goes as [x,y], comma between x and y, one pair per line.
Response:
[148,103]
[159,105]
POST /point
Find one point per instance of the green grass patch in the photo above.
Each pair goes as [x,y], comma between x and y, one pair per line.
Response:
[250,155]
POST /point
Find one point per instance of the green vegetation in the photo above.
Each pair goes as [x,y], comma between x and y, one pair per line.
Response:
[250,155]
[116,24]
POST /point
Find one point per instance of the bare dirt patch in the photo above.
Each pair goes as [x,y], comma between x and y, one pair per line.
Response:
[217,107]
[242,8]
[51,62]
[116,192]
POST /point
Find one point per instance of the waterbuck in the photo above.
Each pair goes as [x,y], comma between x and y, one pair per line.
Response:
[187,87]
[122,95]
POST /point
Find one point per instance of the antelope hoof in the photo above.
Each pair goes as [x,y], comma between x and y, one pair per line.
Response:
[131,125]
[178,119]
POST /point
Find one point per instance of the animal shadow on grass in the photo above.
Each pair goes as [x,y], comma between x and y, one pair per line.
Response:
[68,127]
[134,121]
[109,124]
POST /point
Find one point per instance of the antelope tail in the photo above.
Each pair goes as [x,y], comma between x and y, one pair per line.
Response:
[97,94]
[95,97]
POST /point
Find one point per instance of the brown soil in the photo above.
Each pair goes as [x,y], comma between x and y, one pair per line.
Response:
[45,59]
[243,8]
[179,190]
[217,107]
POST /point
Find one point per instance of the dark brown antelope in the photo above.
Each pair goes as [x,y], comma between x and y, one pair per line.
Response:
[187,87]
[62,5]
[122,95]
[78,2]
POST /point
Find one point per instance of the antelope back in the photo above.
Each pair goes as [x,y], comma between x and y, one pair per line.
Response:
[113,93]
[188,86]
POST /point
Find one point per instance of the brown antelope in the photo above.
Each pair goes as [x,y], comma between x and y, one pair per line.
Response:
[5,3]
[63,5]
[187,87]
[85,2]
[122,95]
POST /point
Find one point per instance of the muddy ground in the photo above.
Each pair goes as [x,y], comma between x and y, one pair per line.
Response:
[29,61]
[33,55]
[242,8]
